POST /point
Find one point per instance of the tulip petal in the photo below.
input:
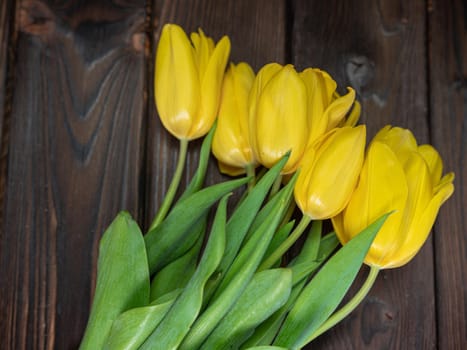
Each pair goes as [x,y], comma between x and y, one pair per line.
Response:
[243,82]
[420,187]
[228,136]
[230,170]
[382,188]
[337,169]
[400,140]
[354,115]
[316,106]
[448,178]
[304,178]
[211,89]
[281,122]
[201,51]
[418,233]
[332,177]
[420,192]
[327,85]
[337,110]
[433,160]
[262,78]
[176,81]
[231,140]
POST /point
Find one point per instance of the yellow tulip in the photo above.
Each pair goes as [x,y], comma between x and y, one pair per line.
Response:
[188,80]
[231,144]
[326,109]
[329,172]
[399,176]
[278,116]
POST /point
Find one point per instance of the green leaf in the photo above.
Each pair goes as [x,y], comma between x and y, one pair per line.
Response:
[265,333]
[262,215]
[328,244]
[132,327]
[326,290]
[279,237]
[163,242]
[267,291]
[177,273]
[242,218]
[302,267]
[310,249]
[122,279]
[259,241]
[238,276]
[176,324]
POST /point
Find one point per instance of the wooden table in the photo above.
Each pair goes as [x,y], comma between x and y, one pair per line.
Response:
[80,140]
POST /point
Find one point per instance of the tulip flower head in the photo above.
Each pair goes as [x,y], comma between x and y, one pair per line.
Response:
[231,142]
[278,116]
[329,172]
[188,80]
[399,176]
[289,111]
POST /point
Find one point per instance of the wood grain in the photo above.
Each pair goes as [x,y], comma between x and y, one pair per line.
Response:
[448,91]
[378,47]
[75,160]
[257,33]
[7,38]
[7,15]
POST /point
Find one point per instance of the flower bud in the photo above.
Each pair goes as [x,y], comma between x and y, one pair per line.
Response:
[402,177]
[329,172]
[188,79]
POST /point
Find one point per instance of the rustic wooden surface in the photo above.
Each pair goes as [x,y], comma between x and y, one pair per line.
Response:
[448,120]
[82,141]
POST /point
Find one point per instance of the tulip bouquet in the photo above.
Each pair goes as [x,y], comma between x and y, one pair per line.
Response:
[293,144]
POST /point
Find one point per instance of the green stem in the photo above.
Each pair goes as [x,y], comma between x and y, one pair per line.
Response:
[170,195]
[277,254]
[350,306]
[250,171]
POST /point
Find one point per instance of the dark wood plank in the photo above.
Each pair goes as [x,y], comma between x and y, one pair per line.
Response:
[448,78]
[7,15]
[75,160]
[378,47]
[257,33]
[6,22]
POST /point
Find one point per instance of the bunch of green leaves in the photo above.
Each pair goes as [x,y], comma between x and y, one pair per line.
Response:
[168,290]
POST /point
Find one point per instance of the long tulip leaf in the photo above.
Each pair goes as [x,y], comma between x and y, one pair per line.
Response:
[267,292]
[170,332]
[279,237]
[265,333]
[122,279]
[131,328]
[164,242]
[237,277]
[302,267]
[326,290]
[242,218]
[177,273]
